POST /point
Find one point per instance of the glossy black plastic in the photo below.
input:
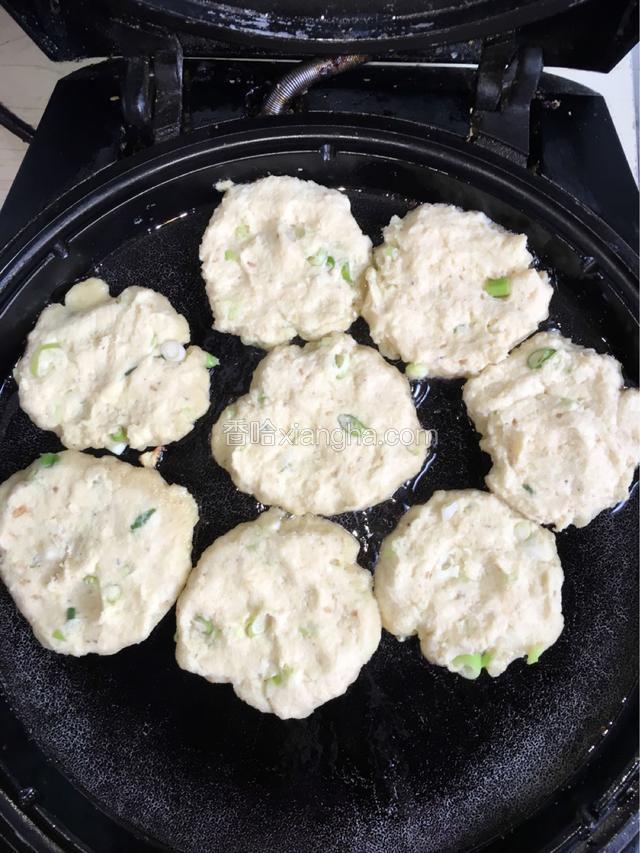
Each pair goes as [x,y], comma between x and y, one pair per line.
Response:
[577,33]
[412,758]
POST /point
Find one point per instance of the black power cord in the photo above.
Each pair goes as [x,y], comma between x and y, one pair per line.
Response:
[14,124]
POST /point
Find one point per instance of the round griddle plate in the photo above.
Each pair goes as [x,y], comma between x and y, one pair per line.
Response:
[412,757]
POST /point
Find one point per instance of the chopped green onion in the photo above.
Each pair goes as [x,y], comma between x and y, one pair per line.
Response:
[486,659]
[415,370]
[341,361]
[528,488]
[231,255]
[211,361]
[142,518]
[331,262]
[35,358]
[130,371]
[469,666]
[306,632]
[281,676]
[90,580]
[112,592]
[120,436]
[58,635]
[319,258]
[71,613]
[533,655]
[255,624]
[499,288]
[262,397]
[345,272]
[351,424]
[538,357]
[242,232]
[48,460]
[391,251]
[523,531]
[205,626]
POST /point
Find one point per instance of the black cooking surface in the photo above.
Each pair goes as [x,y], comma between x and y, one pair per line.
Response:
[412,758]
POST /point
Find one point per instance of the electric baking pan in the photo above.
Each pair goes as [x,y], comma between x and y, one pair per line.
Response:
[412,758]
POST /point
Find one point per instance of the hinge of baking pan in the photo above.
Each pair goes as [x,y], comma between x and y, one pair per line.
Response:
[151,83]
[507,80]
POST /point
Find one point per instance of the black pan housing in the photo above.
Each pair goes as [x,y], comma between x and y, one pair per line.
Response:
[412,758]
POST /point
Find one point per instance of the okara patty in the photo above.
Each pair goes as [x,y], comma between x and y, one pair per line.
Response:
[562,431]
[280,608]
[326,428]
[283,257]
[93,551]
[105,372]
[450,291]
[477,582]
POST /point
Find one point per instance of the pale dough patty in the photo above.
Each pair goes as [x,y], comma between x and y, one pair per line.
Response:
[283,257]
[477,582]
[279,608]
[562,431]
[326,428]
[111,372]
[451,291]
[93,551]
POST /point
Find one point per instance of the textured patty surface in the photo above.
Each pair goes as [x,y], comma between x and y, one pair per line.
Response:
[283,257]
[93,551]
[451,291]
[109,372]
[325,428]
[561,429]
[478,583]
[279,607]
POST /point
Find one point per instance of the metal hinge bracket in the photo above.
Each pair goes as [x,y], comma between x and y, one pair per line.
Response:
[151,83]
[507,79]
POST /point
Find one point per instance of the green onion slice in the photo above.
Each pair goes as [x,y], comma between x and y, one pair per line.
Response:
[120,436]
[71,613]
[528,488]
[112,592]
[211,361]
[414,370]
[255,624]
[351,424]
[486,659]
[281,676]
[48,460]
[204,625]
[319,258]
[468,666]
[499,288]
[345,272]
[242,232]
[330,262]
[538,357]
[533,655]
[231,255]
[35,358]
[58,635]
[90,580]
[142,518]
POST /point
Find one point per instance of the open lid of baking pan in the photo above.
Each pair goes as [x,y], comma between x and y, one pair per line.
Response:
[591,34]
